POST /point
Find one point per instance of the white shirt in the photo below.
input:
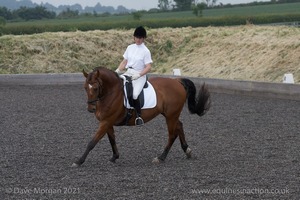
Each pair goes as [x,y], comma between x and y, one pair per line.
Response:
[137,56]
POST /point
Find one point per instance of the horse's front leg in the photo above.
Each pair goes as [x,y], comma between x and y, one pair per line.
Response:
[112,140]
[99,134]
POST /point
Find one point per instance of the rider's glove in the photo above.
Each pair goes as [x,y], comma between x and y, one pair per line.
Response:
[135,76]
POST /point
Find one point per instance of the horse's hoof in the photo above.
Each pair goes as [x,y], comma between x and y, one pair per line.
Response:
[114,158]
[188,153]
[156,160]
[75,165]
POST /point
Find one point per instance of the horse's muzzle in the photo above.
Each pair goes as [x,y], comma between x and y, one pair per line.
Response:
[92,109]
[92,105]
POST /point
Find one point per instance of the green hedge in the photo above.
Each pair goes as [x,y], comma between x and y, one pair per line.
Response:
[40,26]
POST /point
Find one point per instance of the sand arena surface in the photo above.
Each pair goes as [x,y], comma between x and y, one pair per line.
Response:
[243,148]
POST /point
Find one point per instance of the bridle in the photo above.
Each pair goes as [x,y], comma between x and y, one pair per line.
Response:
[99,97]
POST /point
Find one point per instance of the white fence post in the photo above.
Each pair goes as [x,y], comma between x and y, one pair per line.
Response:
[176,72]
[288,78]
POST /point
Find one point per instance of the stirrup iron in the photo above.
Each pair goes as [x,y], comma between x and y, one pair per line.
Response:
[139,121]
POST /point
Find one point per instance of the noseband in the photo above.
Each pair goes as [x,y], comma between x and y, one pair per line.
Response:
[93,102]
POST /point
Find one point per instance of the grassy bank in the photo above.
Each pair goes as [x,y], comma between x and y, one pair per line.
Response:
[249,52]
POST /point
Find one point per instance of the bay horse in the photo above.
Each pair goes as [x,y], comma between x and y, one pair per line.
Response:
[105,94]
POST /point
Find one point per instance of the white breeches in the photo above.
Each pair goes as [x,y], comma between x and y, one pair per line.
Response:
[137,84]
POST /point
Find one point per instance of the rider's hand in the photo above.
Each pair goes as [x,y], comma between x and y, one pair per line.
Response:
[118,71]
[135,76]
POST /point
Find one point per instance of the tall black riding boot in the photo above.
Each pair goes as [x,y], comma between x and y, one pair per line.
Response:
[137,107]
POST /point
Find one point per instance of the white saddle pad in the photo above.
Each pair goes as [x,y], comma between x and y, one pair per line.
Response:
[150,99]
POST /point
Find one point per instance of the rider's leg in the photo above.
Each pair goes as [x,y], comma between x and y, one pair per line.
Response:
[137,107]
[137,88]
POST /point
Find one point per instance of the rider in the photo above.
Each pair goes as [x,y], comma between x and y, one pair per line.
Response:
[137,60]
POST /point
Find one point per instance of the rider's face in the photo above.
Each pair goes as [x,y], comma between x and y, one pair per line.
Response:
[138,40]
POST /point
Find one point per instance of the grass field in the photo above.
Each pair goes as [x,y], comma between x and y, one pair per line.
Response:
[278,9]
[289,8]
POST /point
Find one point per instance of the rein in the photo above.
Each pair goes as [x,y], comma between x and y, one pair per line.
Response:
[100,98]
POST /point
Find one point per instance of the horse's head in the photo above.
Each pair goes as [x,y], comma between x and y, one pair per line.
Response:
[102,84]
[93,88]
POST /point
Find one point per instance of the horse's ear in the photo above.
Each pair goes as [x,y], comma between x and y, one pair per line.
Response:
[98,73]
[84,73]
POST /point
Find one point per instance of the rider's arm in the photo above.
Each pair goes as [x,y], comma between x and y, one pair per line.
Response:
[146,69]
[122,65]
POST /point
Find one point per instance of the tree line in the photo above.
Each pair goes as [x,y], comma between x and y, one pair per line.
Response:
[39,12]
[25,13]
[196,6]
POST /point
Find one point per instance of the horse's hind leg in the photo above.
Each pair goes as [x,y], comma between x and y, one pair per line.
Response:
[184,145]
[172,123]
[112,140]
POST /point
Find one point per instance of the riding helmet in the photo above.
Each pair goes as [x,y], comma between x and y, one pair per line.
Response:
[140,32]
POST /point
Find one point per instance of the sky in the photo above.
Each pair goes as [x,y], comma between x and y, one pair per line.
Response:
[129,4]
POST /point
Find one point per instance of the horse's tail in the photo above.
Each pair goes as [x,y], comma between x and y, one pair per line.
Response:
[199,105]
